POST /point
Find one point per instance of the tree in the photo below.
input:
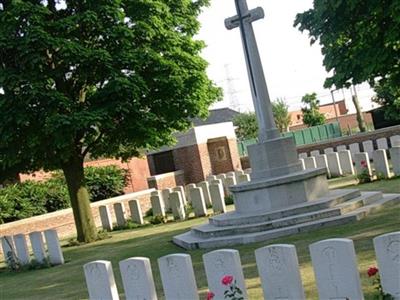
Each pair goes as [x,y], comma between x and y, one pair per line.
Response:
[107,78]
[281,114]
[247,127]
[311,114]
[360,42]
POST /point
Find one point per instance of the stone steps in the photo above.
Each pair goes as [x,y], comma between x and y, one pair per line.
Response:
[334,198]
[209,230]
[360,207]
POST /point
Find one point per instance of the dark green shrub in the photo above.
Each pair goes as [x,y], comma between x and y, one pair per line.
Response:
[228,200]
[158,219]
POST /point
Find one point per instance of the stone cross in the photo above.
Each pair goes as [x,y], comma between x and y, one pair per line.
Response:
[258,86]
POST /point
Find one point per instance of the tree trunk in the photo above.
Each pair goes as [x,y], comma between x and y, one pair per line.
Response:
[360,116]
[80,200]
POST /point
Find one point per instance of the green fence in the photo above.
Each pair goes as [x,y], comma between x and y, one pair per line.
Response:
[302,137]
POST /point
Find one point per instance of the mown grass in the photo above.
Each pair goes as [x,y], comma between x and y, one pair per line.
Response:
[68,282]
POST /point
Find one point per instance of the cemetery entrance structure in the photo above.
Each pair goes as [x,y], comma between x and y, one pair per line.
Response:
[281,197]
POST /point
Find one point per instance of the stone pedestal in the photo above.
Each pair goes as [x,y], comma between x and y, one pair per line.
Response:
[277,179]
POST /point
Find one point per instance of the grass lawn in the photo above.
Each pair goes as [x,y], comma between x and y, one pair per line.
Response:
[68,282]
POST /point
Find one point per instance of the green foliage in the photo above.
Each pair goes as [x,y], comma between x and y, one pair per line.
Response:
[31,198]
[158,219]
[247,127]
[360,42]
[105,182]
[229,199]
[311,114]
[107,78]
[149,212]
[281,114]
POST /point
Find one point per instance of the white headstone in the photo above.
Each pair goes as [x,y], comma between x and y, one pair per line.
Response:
[346,163]
[136,211]
[229,181]
[395,141]
[278,267]
[315,153]
[238,173]
[119,211]
[178,209]
[216,181]
[177,277]
[187,190]
[382,143]
[368,147]
[198,203]
[21,248]
[56,256]
[206,192]
[181,190]
[303,155]
[230,174]
[381,163]
[221,176]
[137,279]
[211,178]
[244,178]
[354,148]
[328,150]
[105,217]
[8,248]
[165,196]
[341,148]
[303,166]
[335,267]
[387,250]
[217,198]
[362,163]
[334,164]
[247,171]
[309,162]
[395,158]
[38,246]
[157,205]
[322,162]
[220,263]
[100,280]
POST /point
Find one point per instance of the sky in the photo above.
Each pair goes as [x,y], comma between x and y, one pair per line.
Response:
[291,65]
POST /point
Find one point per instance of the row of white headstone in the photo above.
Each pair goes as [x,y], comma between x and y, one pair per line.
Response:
[334,262]
[15,248]
[209,193]
[341,163]
[368,146]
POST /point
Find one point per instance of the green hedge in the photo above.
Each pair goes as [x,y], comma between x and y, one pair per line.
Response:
[30,198]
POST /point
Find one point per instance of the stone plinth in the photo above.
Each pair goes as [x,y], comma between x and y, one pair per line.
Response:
[265,195]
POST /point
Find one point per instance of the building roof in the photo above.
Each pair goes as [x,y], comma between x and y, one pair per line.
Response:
[215,116]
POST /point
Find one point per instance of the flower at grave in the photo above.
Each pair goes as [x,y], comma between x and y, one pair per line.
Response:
[210,295]
[364,163]
[372,271]
[227,280]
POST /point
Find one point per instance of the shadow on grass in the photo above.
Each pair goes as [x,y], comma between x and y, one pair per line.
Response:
[68,282]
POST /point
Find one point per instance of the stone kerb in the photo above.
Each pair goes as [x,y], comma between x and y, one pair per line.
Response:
[334,262]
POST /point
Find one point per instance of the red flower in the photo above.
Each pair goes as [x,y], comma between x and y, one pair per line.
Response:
[372,271]
[363,163]
[227,280]
[210,295]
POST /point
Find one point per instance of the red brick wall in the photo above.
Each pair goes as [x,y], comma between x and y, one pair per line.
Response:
[167,180]
[63,220]
[193,161]
[138,171]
